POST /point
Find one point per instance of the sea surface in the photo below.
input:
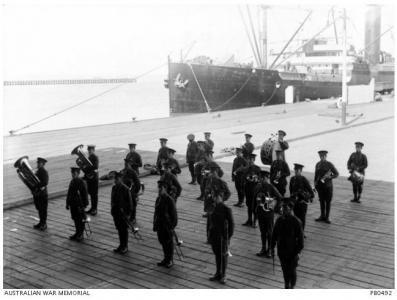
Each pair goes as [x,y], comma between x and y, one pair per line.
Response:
[24,105]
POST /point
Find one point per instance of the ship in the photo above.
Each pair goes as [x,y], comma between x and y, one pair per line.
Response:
[312,72]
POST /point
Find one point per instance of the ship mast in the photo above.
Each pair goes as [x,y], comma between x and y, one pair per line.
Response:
[344,70]
[263,35]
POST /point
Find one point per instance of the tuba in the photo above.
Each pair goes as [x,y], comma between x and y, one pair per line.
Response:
[267,149]
[26,174]
[83,162]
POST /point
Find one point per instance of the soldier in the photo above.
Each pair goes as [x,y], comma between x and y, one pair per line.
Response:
[205,168]
[279,171]
[172,183]
[288,236]
[164,223]
[323,175]
[280,144]
[174,165]
[131,180]
[357,163]
[92,180]
[191,156]
[301,193]
[40,198]
[121,207]
[239,162]
[265,194]
[251,177]
[221,227]
[209,144]
[201,162]
[248,147]
[134,158]
[162,154]
[77,201]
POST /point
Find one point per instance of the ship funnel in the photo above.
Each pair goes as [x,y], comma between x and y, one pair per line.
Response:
[372,34]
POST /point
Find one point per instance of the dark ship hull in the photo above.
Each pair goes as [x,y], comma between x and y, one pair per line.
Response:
[191,86]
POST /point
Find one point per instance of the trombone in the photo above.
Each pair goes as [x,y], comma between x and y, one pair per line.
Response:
[134,229]
[178,244]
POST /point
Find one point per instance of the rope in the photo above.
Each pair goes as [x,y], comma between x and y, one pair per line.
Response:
[84,101]
[201,91]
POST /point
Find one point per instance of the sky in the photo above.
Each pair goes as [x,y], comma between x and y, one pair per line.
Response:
[49,41]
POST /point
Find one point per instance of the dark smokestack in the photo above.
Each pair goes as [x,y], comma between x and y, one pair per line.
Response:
[372,33]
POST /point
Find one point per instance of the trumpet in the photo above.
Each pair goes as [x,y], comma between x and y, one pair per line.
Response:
[83,162]
[26,174]
[326,176]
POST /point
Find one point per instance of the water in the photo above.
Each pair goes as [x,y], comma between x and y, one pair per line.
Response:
[146,99]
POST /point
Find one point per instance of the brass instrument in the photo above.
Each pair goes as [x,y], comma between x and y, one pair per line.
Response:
[26,174]
[326,176]
[278,176]
[83,162]
[253,178]
[302,196]
[178,244]
[265,202]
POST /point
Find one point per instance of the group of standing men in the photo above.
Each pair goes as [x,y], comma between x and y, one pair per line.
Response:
[264,193]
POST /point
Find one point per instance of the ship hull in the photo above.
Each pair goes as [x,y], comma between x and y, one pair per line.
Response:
[197,88]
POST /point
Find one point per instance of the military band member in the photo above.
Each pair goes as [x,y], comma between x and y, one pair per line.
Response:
[301,192]
[280,144]
[131,180]
[357,163]
[92,180]
[209,144]
[191,156]
[199,165]
[172,183]
[164,222]
[248,147]
[121,207]
[288,235]
[279,171]
[323,175]
[174,164]
[239,162]
[251,175]
[77,201]
[265,196]
[134,158]
[162,154]
[205,170]
[221,228]
[40,197]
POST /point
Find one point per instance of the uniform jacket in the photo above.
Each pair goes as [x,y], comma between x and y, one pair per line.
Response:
[248,172]
[134,159]
[248,148]
[214,184]
[192,152]
[121,202]
[175,169]
[131,180]
[162,154]
[357,162]
[210,165]
[267,189]
[288,235]
[165,214]
[209,144]
[282,166]
[299,184]
[175,188]
[42,175]
[77,193]
[93,158]
[238,162]
[221,223]
[279,146]
[322,167]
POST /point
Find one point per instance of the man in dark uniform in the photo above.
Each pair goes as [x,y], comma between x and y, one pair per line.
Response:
[164,223]
[134,158]
[92,179]
[357,163]
[288,236]
[163,153]
[131,180]
[191,156]
[279,171]
[199,165]
[221,228]
[280,144]
[265,194]
[248,147]
[251,175]
[77,201]
[209,144]
[121,207]
[206,168]
[301,192]
[323,175]
[174,164]
[174,188]
[239,162]
[40,197]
